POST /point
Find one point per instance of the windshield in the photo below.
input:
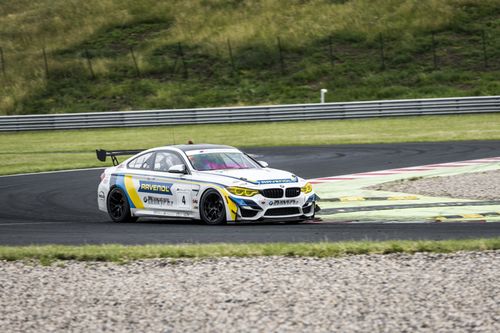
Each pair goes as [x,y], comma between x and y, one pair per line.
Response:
[221,161]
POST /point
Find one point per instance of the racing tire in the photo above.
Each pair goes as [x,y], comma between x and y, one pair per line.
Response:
[118,206]
[212,208]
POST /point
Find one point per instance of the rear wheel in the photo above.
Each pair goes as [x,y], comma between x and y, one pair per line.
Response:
[118,206]
[212,208]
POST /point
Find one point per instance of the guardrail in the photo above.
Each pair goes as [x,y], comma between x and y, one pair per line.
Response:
[368,109]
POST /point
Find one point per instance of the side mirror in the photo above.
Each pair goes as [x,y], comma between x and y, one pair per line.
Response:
[263,164]
[178,168]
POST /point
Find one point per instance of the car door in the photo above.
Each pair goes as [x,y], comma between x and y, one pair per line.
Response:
[139,176]
[176,198]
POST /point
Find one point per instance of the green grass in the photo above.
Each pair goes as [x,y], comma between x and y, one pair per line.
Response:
[57,150]
[122,253]
[102,31]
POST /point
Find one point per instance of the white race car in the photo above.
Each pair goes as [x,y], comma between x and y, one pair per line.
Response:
[214,183]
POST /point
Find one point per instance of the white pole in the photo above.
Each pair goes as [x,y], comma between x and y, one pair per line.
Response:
[323,92]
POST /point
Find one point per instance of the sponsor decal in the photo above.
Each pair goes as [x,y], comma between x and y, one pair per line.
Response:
[155,187]
[101,195]
[183,214]
[284,202]
[277,181]
[158,201]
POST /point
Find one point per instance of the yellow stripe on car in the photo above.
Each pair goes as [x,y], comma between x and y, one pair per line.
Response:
[233,209]
[132,193]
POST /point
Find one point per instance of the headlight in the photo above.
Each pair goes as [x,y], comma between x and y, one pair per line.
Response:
[241,191]
[307,188]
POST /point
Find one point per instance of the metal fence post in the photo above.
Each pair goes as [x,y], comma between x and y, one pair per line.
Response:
[2,59]
[434,56]
[382,55]
[485,56]
[46,63]
[89,63]
[138,72]
[323,92]
[282,61]
[230,50]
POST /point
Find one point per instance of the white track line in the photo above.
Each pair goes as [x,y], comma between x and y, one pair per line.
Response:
[24,223]
[428,167]
[50,172]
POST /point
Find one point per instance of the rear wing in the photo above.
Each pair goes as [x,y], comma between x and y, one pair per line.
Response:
[102,154]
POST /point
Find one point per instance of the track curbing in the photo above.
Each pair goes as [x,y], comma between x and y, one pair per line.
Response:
[368,205]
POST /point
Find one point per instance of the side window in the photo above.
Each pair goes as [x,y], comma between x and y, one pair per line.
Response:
[144,161]
[164,160]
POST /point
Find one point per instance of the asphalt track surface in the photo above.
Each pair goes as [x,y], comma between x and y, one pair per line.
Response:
[61,208]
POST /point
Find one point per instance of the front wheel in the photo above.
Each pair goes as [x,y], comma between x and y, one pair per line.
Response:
[118,206]
[212,208]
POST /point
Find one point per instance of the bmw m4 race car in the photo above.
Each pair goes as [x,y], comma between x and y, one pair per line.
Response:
[213,183]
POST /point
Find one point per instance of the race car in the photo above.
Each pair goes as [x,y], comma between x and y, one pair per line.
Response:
[213,183]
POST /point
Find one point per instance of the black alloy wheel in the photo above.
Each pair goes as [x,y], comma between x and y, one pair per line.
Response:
[118,206]
[212,208]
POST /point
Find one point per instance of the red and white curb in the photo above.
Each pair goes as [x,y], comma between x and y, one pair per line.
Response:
[390,172]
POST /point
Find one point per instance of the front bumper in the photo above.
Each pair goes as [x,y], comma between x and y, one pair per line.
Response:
[259,208]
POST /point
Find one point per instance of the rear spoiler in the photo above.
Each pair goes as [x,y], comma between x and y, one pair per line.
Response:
[102,154]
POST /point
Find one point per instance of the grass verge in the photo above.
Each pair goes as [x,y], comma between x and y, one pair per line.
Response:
[56,150]
[121,253]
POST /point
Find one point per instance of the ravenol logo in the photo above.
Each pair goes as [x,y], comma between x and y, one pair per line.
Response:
[153,187]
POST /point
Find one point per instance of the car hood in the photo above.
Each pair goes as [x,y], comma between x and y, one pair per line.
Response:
[265,176]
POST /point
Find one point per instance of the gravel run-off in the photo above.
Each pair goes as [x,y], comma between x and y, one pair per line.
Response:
[457,292]
[476,186]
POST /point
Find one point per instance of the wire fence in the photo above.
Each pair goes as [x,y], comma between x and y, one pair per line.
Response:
[468,51]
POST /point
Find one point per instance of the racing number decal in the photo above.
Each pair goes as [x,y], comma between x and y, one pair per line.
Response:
[183,198]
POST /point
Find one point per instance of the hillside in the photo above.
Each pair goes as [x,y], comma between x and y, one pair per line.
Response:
[98,55]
